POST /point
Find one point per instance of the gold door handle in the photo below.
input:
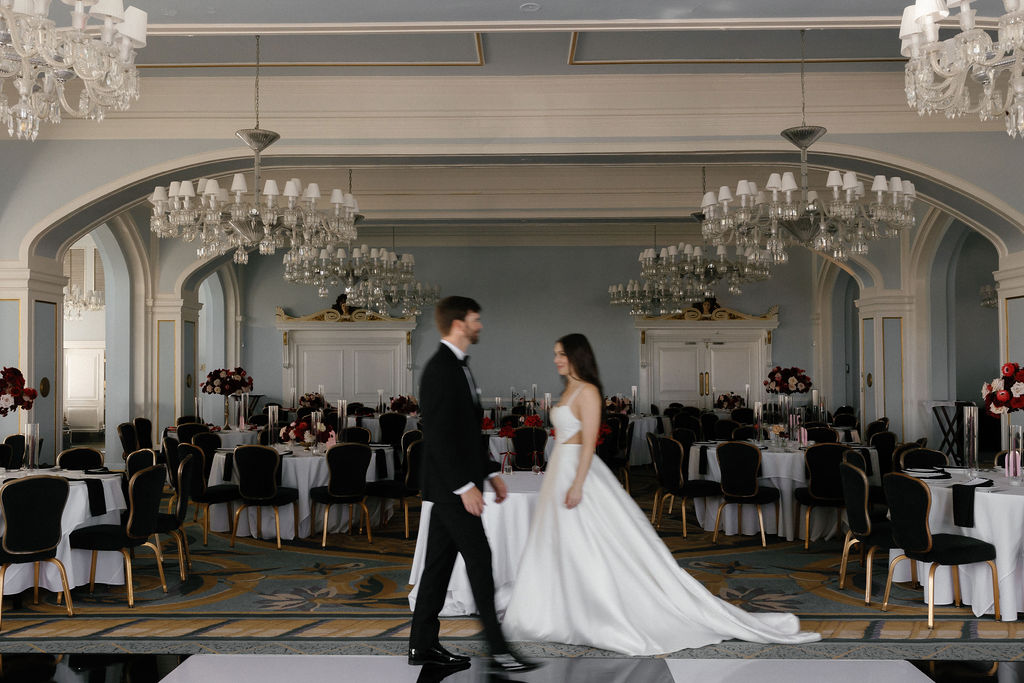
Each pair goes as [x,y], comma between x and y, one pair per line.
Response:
[707,384]
[700,383]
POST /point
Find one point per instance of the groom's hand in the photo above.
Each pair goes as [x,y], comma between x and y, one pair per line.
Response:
[473,500]
[500,490]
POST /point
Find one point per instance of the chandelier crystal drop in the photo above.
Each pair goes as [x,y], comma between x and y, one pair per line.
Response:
[968,73]
[41,60]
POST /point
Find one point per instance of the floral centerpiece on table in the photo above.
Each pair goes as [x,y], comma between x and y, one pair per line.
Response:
[532,421]
[618,404]
[227,382]
[508,431]
[406,405]
[787,381]
[486,424]
[314,400]
[604,431]
[729,401]
[1005,394]
[305,433]
[13,392]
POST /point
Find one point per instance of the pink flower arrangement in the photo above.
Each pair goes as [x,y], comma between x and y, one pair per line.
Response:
[227,382]
[618,404]
[1005,394]
[404,404]
[314,400]
[13,392]
[303,432]
[729,401]
[787,381]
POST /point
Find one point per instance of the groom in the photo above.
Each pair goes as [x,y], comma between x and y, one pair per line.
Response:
[454,468]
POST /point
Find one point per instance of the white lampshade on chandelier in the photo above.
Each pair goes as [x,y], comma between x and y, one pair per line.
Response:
[968,73]
[41,60]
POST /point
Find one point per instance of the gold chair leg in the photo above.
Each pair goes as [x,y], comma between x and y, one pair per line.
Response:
[155,547]
[327,512]
[128,576]
[888,582]
[64,583]
[92,573]
[847,544]
[807,527]
[931,595]
[405,508]
[956,585]
[277,525]
[625,474]
[718,518]
[206,521]
[867,574]
[259,522]
[3,570]
[234,527]
[739,519]
[995,588]
[682,511]
[35,583]
[366,516]
[351,518]
[181,552]
[760,524]
[671,503]
[654,508]
[913,574]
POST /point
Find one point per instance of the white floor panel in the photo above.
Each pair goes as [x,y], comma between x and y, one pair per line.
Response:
[360,669]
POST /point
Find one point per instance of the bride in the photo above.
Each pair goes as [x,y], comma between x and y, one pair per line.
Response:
[594,571]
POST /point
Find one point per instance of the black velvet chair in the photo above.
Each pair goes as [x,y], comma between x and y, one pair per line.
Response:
[909,503]
[346,485]
[32,508]
[186,432]
[168,446]
[885,444]
[707,425]
[187,419]
[1000,459]
[740,466]
[744,433]
[392,426]
[845,410]
[610,453]
[259,471]
[139,460]
[871,534]
[654,449]
[673,410]
[415,435]
[17,444]
[822,435]
[848,420]
[129,439]
[692,411]
[686,437]
[201,493]
[745,416]
[143,432]
[876,494]
[824,487]
[723,429]
[6,456]
[209,442]
[401,488]
[79,458]
[879,425]
[259,420]
[144,489]
[528,444]
[354,435]
[173,523]
[654,409]
[686,421]
[922,457]
[673,480]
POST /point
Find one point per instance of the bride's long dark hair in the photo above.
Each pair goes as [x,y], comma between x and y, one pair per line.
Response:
[581,359]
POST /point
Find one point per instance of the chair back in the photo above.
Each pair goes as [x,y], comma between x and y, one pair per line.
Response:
[686,421]
[17,444]
[173,459]
[259,420]
[670,472]
[33,507]
[740,466]
[355,435]
[168,446]
[909,502]
[654,409]
[654,448]
[1000,459]
[143,432]
[744,433]
[258,469]
[692,411]
[879,425]
[885,444]
[707,425]
[528,443]
[520,410]
[848,420]
[346,465]
[845,410]
[392,426]
[608,447]
[138,461]
[686,437]
[413,460]
[621,424]
[822,435]
[627,441]
[209,442]
[188,430]
[672,410]
[509,421]
[79,458]
[855,496]
[144,490]
[6,455]
[724,428]
[303,412]
[855,458]
[922,457]
[200,472]
[184,477]
[187,419]
[745,416]
[822,462]
[129,439]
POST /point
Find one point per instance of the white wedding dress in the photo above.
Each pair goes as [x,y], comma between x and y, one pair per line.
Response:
[599,575]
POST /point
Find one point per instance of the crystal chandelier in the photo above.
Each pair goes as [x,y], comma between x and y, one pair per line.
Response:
[968,73]
[41,59]
[840,223]
[75,302]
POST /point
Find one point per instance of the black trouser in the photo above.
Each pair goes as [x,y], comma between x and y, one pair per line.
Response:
[453,531]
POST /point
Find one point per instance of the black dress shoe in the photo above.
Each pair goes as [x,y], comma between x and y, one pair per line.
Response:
[506,662]
[436,655]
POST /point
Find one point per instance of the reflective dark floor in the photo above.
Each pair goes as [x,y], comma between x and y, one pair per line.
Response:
[102,668]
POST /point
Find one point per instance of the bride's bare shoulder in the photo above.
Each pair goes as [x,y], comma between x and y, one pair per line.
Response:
[589,393]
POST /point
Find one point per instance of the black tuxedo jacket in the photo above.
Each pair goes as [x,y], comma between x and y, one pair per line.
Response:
[453,453]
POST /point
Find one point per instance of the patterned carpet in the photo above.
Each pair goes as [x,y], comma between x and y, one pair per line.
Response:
[352,599]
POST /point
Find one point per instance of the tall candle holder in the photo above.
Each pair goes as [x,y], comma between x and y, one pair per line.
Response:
[969,416]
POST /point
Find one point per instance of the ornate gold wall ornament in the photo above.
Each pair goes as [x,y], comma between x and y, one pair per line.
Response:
[330,315]
[44,387]
[710,310]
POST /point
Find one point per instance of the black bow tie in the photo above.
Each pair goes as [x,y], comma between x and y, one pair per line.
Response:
[465,360]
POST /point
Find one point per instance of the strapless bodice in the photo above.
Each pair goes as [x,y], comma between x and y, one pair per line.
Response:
[566,424]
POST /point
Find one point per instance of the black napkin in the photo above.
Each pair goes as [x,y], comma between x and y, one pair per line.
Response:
[97,500]
[229,465]
[382,465]
[963,503]
[702,463]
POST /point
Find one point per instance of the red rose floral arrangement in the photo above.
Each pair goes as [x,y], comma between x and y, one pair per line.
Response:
[486,424]
[787,381]
[404,404]
[227,382]
[533,421]
[314,400]
[1005,394]
[13,392]
[729,401]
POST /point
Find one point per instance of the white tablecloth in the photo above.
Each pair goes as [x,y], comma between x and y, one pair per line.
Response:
[373,424]
[998,519]
[639,454]
[303,471]
[237,437]
[499,445]
[506,525]
[780,469]
[109,565]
